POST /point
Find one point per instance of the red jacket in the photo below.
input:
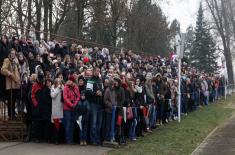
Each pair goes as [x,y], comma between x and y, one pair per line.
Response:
[71,97]
[34,95]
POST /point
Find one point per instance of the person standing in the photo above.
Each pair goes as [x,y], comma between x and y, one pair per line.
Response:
[35,98]
[10,70]
[71,97]
[45,108]
[57,107]
[4,52]
[94,91]
[110,101]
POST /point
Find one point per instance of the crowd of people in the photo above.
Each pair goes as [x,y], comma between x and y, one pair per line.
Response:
[90,95]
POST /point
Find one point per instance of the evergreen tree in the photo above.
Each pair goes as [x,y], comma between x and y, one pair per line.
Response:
[188,45]
[203,53]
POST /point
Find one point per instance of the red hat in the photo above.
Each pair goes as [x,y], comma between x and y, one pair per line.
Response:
[72,78]
[85,59]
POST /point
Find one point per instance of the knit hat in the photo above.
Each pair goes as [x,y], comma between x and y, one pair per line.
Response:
[86,60]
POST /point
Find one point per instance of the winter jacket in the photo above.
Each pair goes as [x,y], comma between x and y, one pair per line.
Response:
[4,52]
[11,67]
[120,93]
[139,95]
[71,97]
[149,93]
[45,103]
[24,69]
[57,104]
[24,48]
[93,85]
[35,95]
[110,99]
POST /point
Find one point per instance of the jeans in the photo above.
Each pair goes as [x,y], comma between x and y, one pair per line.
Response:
[69,122]
[140,122]
[113,123]
[196,99]
[161,110]
[152,115]
[184,108]
[96,122]
[85,121]
[107,126]
[133,125]
[170,111]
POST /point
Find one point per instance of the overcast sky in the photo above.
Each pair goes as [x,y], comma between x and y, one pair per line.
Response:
[185,11]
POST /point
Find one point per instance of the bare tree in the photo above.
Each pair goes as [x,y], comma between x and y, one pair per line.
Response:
[219,14]
[117,17]
[45,19]
[61,9]
[38,5]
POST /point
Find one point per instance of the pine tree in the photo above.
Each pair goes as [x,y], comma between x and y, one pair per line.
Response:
[203,53]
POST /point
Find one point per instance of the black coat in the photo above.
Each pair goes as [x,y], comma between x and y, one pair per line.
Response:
[4,52]
[45,103]
[32,65]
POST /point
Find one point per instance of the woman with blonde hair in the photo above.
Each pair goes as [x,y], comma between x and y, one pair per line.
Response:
[57,106]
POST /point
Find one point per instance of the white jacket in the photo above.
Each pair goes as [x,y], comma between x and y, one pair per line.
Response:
[57,105]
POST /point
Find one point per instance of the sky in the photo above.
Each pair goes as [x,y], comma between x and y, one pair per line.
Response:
[185,11]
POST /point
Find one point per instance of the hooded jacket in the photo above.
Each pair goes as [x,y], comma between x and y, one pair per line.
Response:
[71,97]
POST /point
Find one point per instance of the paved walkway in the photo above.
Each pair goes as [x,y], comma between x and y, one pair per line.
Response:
[220,142]
[49,149]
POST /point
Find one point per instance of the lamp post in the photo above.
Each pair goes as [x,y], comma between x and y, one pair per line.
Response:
[180,51]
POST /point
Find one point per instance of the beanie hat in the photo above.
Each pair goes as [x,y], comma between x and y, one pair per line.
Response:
[85,59]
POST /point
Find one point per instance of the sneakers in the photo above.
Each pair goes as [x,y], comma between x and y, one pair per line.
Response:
[83,143]
[133,139]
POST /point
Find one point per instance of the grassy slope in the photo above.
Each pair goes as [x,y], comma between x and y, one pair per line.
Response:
[183,138]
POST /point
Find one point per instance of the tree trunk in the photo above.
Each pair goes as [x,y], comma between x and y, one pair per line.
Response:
[220,18]
[231,11]
[80,16]
[20,17]
[1,17]
[29,8]
[38,4]
[50,17]
[227,50]
[45,20]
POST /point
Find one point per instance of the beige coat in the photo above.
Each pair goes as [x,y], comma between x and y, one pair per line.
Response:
[10,69]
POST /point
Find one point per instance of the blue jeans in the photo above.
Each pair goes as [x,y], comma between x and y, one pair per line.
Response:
[110,123]
[132,133]
[152,116]
[107,126]
[183,105]
[69,122]
[196,99]
[85,121]
[170,111]
[132,130]
[96,122]
[113,123]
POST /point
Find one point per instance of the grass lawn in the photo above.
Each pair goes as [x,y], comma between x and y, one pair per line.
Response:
[181,138]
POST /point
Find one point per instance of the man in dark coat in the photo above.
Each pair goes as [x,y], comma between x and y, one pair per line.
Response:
[45,108]
[4,52]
